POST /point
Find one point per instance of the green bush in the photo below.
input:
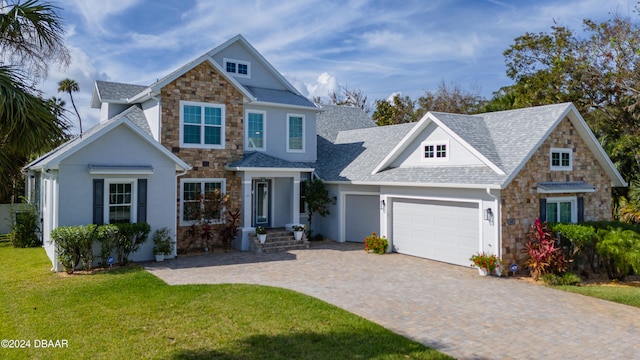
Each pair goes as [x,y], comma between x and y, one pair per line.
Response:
[583,241]
[67,242]
[620,251]
[568,278]
[106,235]
[130,238]
[376,244]
[162,242]
[24,230]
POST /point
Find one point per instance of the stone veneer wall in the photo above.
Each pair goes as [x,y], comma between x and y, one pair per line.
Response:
[204,84]
[520,200]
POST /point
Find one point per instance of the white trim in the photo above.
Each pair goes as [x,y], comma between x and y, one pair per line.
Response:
[416,184]
[134,197]
[287,106]
[202,181]
[435,145]
[264,130]
[571,199]
[259,169]
[561,151]
[202,125]
[237,63]
[301,116]
[120,170]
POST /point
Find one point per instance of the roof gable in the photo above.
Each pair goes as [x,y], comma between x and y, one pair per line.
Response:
[52,159]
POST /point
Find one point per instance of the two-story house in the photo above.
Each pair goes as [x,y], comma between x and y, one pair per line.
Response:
[228,124]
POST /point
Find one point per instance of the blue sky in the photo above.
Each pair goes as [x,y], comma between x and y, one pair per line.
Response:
[379,47]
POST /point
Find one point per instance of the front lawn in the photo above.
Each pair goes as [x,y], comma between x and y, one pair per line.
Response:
[130,314]
[623,294]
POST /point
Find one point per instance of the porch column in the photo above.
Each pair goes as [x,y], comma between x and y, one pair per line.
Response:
[295,217]
[247,180]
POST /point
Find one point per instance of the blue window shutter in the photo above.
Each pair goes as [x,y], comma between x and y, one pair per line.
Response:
[543,209]
[580,209]
[142,200]
[98,201]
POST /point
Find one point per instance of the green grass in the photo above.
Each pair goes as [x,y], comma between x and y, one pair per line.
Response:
[130,314]
[628,295]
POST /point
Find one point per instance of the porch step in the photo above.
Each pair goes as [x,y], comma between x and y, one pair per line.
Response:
[277,240]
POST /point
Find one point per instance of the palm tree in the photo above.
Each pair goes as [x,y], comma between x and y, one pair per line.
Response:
[70,86]
[31,36]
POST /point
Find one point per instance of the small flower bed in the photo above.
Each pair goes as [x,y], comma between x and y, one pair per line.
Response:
[260,230]
[485,261]
[298,227]
[376,244]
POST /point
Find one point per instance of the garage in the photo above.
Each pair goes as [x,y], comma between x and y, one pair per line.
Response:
[445,231]
[362,216]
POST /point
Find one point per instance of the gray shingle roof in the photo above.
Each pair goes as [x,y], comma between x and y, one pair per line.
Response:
[285,97]
[505,138]
[338,118]
[117,92]
[262,160]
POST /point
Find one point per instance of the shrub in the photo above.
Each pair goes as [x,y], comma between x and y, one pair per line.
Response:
[376,244]
[544,256]
[86,235]
[24,230]
[620,251]
[106,235]
[230,229]
[67,244]
[162,242]
[565,279]
[583,241]
[130,238]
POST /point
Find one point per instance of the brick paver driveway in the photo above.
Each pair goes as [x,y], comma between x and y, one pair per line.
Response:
[449,308]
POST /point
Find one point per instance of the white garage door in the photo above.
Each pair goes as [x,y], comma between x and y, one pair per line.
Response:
[438,230]
[362,216]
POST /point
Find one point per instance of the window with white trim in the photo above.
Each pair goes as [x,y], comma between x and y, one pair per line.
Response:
[201,200]
[295,133]
[435,150]
[562,210]
[255,133]
[202,125]
[120,201]
[237,67]
[561,159]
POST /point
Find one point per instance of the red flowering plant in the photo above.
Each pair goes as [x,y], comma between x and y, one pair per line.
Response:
[485,261]
[373,243]
[544,255]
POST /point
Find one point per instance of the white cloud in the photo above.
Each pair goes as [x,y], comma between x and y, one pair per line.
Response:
[325,84]
[94,13]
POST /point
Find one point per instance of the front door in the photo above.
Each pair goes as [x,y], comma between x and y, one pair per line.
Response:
[261,203]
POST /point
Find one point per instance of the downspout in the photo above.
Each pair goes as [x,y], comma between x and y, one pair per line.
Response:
[175,215]
[497,231]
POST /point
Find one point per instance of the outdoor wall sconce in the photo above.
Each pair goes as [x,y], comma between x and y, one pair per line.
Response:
[383,204]
[488,214]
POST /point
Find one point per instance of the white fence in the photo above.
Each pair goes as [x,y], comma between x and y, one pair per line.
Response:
[5,216]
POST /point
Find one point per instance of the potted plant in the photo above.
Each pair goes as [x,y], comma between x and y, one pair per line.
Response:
[486,263]
[298,230]
[162,244]
[262,234]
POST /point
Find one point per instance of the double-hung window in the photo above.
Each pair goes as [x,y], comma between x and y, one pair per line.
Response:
[202,200]
[295,133]
[202,125]
[255,133]
[561,159]
[120,201]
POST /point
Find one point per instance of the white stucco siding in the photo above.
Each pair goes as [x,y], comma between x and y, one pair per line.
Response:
[121,146]
[457,154]
[151,111]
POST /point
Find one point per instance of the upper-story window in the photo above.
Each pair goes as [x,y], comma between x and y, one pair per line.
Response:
[201,125]
[237,67]
[255,133]
[561,159]
[295,133]
[435,150]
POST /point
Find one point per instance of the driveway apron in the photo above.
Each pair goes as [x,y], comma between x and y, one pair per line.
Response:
[446,307]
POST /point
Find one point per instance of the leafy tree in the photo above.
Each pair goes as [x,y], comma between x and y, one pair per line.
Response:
[70,86]
[451,99]
[317,199]
[399,110]
[31,36]
[351,98]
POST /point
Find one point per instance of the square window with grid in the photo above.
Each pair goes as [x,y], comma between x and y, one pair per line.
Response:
[202,125]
